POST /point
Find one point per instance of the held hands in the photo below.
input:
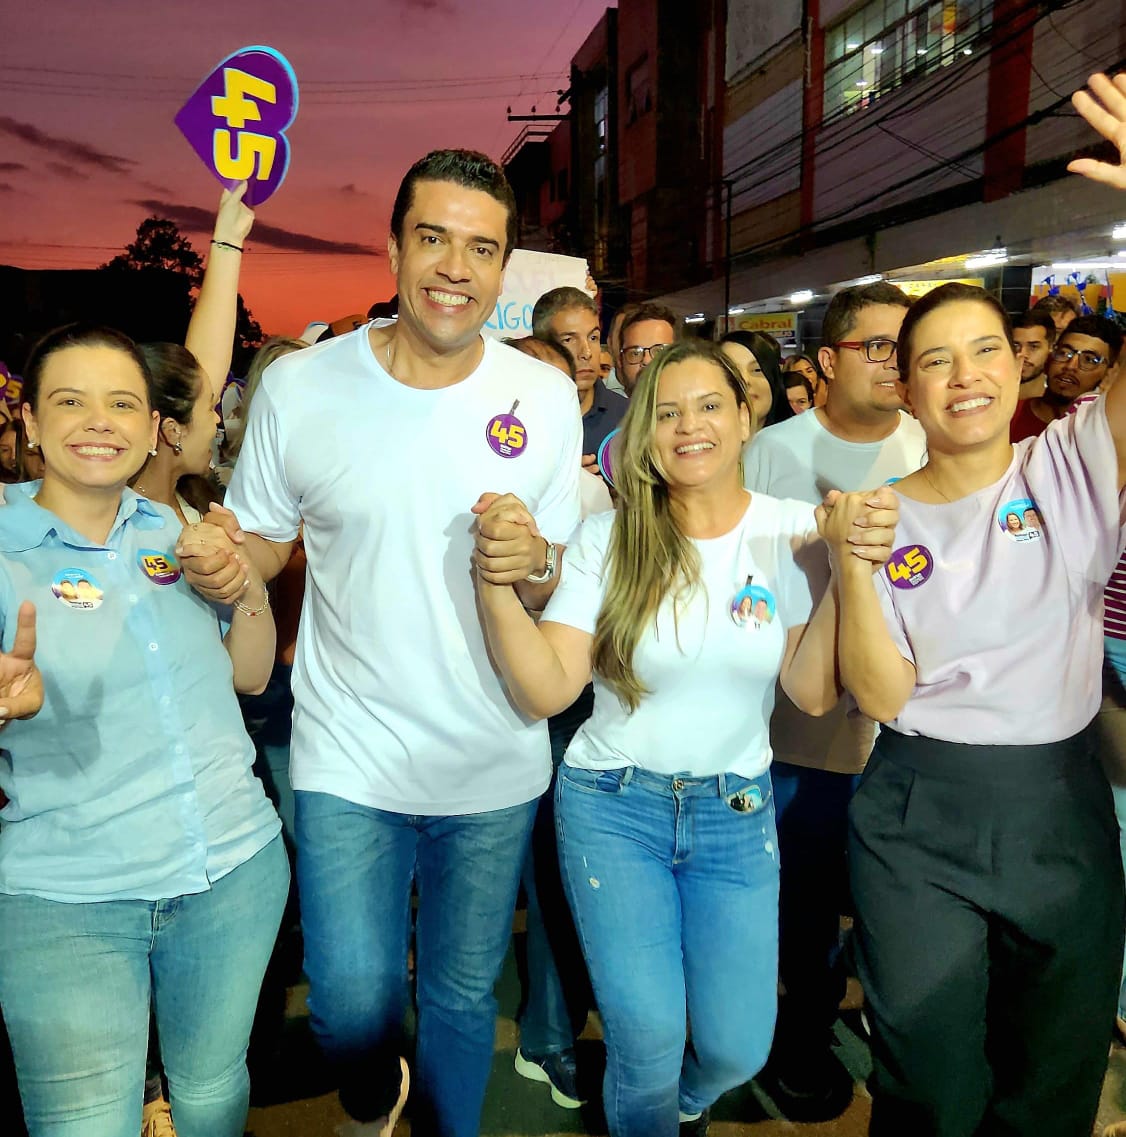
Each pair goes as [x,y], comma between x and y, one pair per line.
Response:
[859,528]
[234,220]
[508,544]
[211,562]
[590,464]
[21,685]
[1104,107]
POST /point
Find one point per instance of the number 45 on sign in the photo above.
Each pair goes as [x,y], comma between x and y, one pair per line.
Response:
[237,117]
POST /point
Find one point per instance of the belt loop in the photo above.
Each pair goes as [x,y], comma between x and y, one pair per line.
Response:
[627,776]
[722,780]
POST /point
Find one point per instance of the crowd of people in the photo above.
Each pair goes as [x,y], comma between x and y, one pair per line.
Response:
[702,648]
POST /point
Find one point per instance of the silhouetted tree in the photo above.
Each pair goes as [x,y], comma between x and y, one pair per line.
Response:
[160,244]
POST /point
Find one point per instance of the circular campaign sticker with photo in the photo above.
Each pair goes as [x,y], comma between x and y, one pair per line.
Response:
[506,434]
[909,566]
[77,589]
[1019,520]
[158,567]
[753,605]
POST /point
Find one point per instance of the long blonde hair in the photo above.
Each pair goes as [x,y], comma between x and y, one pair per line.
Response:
[648,557]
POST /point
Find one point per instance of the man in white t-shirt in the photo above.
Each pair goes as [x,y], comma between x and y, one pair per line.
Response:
[409,763]
[860,439]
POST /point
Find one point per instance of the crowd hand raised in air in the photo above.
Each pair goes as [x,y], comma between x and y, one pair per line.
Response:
[508,542]
[1103,105]
[21,685]
[210,557]
[234,220]
[858,526]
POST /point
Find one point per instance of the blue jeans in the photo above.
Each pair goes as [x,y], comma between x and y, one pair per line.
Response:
[673,883]
[558,994]
[355,867]
[811,807]
[76,982]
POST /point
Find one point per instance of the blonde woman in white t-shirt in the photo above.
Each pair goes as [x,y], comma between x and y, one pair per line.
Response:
[686,606]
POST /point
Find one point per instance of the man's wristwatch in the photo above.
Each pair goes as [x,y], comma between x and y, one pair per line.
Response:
[551,561]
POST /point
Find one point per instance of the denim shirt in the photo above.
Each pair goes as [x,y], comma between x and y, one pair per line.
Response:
[133,781]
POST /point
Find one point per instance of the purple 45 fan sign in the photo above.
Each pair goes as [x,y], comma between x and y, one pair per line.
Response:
[237,117]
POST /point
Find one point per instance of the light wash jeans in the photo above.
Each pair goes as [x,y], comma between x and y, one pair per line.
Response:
[673,882]
[76,981]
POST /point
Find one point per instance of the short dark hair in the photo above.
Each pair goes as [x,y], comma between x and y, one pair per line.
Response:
[1034,318]
[649,310]
[468,168]
[555,301]
[952,293]
[846,305]
[528,345]
[1056,302]
[80,335]
[1099,328]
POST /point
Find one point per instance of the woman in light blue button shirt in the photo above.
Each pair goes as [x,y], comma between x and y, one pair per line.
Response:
[139,857]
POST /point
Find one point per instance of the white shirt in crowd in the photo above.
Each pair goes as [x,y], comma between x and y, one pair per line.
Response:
[711,679]
[397,703]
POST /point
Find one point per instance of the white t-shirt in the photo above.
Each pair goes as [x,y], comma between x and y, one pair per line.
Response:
[997,599]
[800,458]
[711,680]
[397,703]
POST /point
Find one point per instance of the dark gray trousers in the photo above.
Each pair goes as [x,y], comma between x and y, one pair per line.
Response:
[990,913]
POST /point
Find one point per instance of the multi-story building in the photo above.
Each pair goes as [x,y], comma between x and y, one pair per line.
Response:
[899,137]
[639,194]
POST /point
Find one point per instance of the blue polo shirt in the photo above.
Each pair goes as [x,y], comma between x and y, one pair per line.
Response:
[134,780]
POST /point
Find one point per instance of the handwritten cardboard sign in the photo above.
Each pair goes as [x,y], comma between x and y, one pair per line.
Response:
[237,118]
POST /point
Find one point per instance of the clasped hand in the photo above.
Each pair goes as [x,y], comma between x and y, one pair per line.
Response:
[508,545]
[210,558]
[858,526]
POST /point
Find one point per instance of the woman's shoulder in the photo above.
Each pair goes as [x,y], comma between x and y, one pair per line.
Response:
[594,531]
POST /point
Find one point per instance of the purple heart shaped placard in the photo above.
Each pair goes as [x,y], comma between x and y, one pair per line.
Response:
[237,117]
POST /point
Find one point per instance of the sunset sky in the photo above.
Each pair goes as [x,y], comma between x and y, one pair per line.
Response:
[88,147]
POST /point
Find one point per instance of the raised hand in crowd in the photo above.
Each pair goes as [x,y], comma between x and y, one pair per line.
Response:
[211,333]
[1104,107]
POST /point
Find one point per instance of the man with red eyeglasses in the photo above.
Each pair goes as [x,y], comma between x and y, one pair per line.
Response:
[1084,358]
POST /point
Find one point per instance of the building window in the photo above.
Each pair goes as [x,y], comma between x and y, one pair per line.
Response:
[639,91]
[601,125]
[886,43]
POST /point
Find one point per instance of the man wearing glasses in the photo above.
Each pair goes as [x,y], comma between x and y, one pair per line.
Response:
[1084,358]
[858,440]
[647,329]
